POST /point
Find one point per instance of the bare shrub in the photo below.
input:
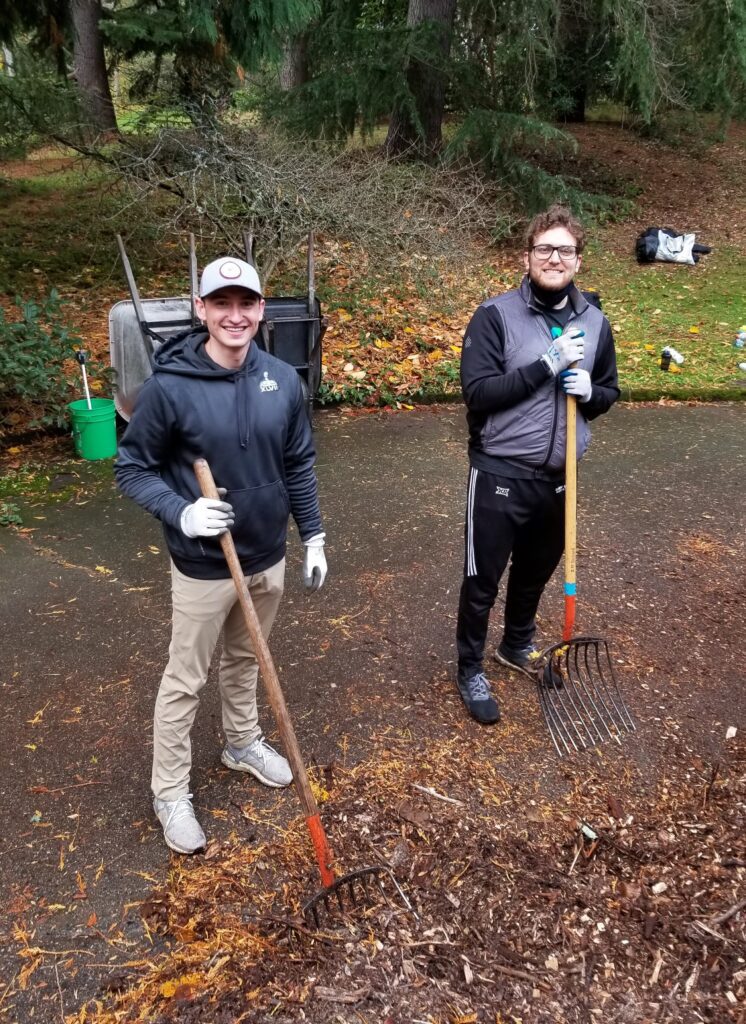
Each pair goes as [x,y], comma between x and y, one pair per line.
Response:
[227,179]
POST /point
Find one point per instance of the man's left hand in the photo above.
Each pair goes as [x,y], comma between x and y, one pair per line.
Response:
[314,562]
[577,382]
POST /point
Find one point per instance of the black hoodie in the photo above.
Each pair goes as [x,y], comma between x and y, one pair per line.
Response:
[252,427]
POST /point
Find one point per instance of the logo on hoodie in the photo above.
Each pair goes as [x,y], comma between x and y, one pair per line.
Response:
[267,384]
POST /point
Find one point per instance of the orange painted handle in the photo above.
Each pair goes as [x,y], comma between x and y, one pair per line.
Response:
[324,857]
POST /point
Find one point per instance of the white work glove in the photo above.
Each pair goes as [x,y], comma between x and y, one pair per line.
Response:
[207,517]
[577,382]
[314,562]
[569,348]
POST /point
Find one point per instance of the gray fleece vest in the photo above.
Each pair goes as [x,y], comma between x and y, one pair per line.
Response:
[532,433]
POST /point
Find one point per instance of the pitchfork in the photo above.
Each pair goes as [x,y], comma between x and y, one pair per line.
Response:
[332,896]
[578,691]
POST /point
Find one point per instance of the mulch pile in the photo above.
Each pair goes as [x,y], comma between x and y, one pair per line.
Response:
[617,900]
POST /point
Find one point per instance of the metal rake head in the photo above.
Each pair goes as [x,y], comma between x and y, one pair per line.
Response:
[347,893]
[579,695]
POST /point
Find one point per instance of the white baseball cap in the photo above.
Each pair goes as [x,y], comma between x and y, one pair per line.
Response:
[228,272]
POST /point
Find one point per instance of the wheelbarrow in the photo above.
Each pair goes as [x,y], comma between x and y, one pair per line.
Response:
[292,329]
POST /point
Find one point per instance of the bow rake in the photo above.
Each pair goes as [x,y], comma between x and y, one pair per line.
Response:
[339,893]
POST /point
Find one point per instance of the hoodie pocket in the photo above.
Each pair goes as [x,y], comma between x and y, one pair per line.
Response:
[261,518]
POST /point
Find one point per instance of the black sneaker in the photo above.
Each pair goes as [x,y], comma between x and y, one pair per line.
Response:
[477,695]
[524,660]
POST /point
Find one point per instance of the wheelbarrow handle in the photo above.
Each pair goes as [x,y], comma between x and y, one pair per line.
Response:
[272,683]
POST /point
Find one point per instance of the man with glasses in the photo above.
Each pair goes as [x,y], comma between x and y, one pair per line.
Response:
[523,352]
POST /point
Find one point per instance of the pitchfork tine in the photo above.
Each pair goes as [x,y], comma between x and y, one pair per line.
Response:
[619,706]
[553,720]
[595,694]
[603,691]
[561,718]
[571,716]
[583,688]
[606,692]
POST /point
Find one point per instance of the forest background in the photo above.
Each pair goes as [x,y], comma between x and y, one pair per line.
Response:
[414,137]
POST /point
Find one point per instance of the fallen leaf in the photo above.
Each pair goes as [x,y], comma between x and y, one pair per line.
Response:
[615,807]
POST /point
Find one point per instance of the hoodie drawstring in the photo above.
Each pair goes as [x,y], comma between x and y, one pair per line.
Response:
[242,405]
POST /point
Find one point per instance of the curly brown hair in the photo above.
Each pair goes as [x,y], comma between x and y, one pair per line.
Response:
[556,216]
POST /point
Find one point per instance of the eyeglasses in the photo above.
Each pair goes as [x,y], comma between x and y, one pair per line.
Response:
[565,252]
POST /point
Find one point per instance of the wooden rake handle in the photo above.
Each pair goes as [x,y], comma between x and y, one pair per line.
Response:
[571,517]
[272,685]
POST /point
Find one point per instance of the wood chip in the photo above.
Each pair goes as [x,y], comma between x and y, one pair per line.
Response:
[333,995]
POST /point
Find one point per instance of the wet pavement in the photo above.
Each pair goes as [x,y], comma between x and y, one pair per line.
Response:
[85,606]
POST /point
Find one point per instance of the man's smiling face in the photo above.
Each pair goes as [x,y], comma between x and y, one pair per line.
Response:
[231,316]
[552,272]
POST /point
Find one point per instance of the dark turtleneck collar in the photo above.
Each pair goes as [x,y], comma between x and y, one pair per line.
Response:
[550,298]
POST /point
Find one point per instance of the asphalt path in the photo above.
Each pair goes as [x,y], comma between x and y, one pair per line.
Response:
[85,606]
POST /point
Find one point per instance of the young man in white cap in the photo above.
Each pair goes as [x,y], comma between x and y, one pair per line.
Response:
[215,394]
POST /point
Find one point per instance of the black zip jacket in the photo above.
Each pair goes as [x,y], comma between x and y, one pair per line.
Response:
[250,425]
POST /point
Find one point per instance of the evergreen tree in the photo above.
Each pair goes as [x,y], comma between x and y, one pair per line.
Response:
[89,66]
[417,118]
[717,48]
[46,22]
[52,25]
[208,39]
[355,57]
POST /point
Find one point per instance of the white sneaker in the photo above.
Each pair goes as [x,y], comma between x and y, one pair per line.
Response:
[181,830]
[261,760]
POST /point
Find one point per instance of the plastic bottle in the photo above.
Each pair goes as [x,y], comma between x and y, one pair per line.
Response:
[671,352]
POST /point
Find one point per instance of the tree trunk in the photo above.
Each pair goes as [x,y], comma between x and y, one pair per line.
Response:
[427,83]
[294,67]
[573,32]
[89,66]
[576,113]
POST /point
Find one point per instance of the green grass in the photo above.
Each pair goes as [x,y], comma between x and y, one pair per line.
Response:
[51,230]
[39,484]
[135,118]
[697,310]
[59,232]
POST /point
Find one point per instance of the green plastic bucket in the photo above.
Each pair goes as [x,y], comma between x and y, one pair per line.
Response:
[94,429]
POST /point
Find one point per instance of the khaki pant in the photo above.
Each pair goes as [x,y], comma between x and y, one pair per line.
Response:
[200,609]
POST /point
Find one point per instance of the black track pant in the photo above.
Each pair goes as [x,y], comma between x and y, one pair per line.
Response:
[506,518]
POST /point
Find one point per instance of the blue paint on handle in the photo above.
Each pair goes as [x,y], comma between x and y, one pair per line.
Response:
[571,589]
[556,332]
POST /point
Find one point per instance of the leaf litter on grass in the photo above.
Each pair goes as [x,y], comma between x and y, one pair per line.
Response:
[396,342]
